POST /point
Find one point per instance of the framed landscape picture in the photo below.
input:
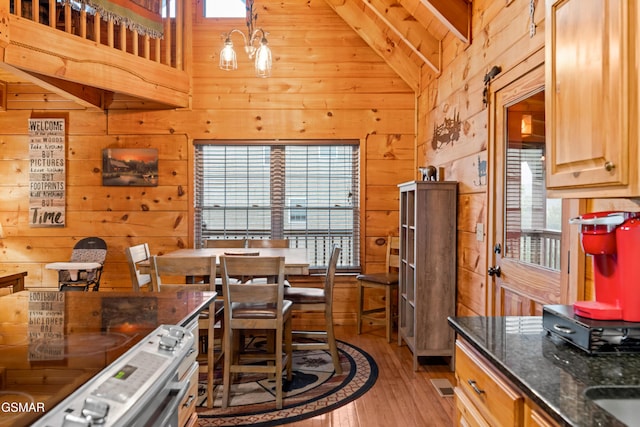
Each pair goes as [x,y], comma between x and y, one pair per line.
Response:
[128,167]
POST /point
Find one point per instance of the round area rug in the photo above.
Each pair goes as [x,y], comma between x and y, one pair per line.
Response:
[314,390]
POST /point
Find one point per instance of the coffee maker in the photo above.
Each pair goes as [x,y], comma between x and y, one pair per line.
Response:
[611,322]
[613,241]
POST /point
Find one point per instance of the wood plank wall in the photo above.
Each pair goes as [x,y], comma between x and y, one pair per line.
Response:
[500,36]
[326,83]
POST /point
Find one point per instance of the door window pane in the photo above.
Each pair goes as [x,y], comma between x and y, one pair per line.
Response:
[532,221]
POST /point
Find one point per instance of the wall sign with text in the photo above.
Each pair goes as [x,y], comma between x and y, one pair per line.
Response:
[47,172]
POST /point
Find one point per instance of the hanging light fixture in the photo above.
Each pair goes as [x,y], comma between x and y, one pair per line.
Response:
[255,45]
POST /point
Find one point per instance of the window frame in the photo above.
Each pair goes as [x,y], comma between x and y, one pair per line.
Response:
[312,238]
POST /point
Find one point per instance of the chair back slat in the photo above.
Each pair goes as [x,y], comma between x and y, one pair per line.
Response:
[136,254]
[225,243]
[268,243]
[171,272]
[330,276]
[262,293]
[393,253]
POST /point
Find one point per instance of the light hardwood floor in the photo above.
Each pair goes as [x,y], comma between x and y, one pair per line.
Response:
[400,396]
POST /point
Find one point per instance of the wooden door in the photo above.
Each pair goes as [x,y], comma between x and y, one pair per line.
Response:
[587,100]
[526,237]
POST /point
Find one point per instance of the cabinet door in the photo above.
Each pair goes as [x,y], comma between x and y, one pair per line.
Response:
[587,103]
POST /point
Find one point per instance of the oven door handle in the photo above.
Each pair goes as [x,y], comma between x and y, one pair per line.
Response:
[177,390]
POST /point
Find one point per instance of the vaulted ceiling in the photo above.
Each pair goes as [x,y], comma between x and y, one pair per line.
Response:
[408,34]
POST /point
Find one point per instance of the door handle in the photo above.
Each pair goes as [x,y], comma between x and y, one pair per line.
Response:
[494,271]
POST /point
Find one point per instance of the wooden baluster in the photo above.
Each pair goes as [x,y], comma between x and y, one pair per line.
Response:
[35,11]
[167,39]
[96,27]
[67,18]
[147,47]
[53,13]
[83,22]
[110,35]
[135,42]
[157,52]
[179,24]
[123,37]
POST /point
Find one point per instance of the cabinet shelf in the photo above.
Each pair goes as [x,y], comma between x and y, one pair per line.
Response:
[427,268]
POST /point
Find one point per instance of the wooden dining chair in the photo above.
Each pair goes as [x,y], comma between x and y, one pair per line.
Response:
[168,274]
[255,307]
[386,281]
[135,255]
[225,243]
[318,300]
[267,243]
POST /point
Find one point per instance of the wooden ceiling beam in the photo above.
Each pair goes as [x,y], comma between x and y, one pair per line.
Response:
[409,30]
[454,14]
[377,36]
[86,96]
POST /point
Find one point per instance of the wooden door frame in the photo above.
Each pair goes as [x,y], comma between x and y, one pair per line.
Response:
[573,260]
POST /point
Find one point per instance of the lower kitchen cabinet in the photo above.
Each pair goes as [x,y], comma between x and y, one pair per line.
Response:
[536,417]
[484,397]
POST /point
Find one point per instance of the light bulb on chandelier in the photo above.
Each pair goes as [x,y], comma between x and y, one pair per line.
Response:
[260,54]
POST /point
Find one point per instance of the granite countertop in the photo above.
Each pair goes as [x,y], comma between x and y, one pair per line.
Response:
[551,372]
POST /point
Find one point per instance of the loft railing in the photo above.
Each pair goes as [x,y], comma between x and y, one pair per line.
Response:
[71,18]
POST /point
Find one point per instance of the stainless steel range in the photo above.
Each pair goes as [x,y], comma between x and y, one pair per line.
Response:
[141,388]
[104,347]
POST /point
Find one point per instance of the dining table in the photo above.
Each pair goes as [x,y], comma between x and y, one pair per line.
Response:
[295,259]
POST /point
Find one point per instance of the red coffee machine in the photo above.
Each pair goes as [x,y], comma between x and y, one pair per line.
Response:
[613,241]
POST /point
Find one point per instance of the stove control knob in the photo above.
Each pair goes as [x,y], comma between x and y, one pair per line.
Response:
[168,343]
[95,410]
[177,333]
[71,420]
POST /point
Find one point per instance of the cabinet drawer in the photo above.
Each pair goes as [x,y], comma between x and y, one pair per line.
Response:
[493,396]
[190,400]
[466,412]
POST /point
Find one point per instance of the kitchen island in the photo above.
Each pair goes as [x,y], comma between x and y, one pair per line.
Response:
[541,372]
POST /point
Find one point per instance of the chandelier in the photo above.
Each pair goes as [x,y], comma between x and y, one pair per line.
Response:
[255,45]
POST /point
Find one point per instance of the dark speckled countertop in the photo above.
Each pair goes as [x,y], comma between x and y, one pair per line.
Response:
[549,371]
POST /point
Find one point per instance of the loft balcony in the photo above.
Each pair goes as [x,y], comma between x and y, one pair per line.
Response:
[98,64]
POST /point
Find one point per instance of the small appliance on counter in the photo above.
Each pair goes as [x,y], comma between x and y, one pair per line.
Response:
[592,336]
[610,323]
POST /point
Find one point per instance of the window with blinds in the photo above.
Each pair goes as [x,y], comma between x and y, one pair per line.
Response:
[532,221]
[308,194]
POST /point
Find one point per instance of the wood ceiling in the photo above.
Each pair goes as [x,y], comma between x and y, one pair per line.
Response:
[408,34]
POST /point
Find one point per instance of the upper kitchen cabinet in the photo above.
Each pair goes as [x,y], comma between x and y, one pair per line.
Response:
[591,99]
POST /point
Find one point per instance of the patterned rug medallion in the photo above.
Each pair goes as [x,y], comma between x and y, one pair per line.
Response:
[314,390]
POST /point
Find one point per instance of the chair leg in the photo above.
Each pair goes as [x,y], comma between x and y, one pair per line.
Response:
[333,348]
[226,381]
[387,312]
[359,304]
[288,346]
[278,354]
[210,356]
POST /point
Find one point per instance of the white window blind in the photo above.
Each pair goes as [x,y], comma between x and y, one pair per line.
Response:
[308,194]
